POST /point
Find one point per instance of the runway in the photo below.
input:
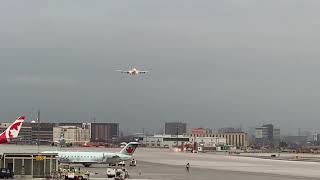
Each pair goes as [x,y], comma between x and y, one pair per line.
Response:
[232,164]
[154,171]
[164,164]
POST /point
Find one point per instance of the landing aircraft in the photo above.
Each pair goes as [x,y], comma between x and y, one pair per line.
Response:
[133,71]
[12,131]
[89,158]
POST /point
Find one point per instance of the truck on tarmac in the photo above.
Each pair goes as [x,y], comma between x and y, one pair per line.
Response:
[117,173]
[111,172]
[133,162]
[67,172]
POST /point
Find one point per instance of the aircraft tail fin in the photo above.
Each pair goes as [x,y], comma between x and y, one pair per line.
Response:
[129,148]
[12,131]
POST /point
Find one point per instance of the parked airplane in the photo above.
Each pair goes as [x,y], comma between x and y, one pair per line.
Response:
[133,71]
[89,158]
[12,131]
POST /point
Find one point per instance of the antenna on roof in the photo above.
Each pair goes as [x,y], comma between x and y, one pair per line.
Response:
[93,119]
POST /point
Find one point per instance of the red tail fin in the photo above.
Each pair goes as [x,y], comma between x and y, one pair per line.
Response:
[12,131]
[130,148]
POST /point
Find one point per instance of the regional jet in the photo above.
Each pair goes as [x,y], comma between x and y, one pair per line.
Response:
[133,71]
[89,158]
[12,131]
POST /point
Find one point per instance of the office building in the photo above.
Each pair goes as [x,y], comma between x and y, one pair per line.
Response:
[165,141]
[229,130]
[199,131]
[209,141]
[239,140]
[276,137]
[71,135]
[175,128]
[77,124]
[269,131]
[104,132]
[318,138]
[266,135]
[261,133]
[41,131]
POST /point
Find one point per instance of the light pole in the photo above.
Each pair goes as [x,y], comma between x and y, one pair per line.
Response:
[177,134]
[38,129]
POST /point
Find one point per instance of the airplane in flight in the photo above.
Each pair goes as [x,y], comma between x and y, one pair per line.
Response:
[12,131]
[133,71]
[89,158]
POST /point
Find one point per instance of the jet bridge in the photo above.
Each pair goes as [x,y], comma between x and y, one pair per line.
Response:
[30,165]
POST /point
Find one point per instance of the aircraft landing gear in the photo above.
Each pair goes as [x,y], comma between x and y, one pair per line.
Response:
[86,165]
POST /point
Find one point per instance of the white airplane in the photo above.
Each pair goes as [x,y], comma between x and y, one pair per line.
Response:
[12,131]
[133,71]
[89,158]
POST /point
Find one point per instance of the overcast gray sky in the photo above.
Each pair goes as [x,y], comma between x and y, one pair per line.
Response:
[213,63]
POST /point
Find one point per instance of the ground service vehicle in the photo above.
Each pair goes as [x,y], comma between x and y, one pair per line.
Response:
[122,163]
[133,162]
[117,173]
[6,173]
[72,173]
[111,172]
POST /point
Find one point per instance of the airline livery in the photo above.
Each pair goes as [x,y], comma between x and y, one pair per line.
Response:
[12,131]
[89,158]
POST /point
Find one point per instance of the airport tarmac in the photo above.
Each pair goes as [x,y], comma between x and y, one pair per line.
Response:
[169,165]
[283,156]
[231,163]
[154,171]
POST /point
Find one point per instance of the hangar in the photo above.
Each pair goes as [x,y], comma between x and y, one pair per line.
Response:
[30,165]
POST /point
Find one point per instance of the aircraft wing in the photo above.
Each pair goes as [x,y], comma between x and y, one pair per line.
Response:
[143,72]
[122,71]
[113,159]
[64,160]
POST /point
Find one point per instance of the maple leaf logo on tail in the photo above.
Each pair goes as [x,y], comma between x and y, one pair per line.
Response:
[13,130]
[129,150]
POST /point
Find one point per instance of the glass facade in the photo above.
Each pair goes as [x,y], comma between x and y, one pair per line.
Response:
[30,165]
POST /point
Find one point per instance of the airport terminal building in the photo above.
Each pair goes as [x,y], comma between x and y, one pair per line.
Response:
[30,165]
[238,140]
[169,141]
[165,141]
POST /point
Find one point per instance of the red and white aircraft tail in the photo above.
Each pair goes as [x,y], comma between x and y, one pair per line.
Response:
[12,131]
